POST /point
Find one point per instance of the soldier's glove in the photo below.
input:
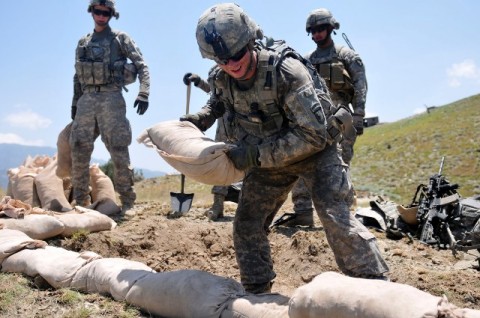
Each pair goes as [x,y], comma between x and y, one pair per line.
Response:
[358,124]
[194,119]
[142,103]
[74,112]
[244,157]
[191,78]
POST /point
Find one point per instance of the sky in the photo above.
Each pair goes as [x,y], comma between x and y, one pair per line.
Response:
[417,53]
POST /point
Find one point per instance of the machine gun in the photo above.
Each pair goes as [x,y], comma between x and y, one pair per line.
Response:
[437,204]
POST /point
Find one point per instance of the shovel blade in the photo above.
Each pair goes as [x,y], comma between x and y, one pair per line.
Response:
[181,202]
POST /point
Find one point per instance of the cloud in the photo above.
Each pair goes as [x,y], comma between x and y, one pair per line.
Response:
[10,138]
[466,70]
[28,119]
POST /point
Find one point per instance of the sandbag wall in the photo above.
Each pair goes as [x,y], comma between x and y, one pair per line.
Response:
[194,293]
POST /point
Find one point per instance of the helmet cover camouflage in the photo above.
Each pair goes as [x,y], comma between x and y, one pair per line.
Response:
[319,17]
[224,30]
[107,3]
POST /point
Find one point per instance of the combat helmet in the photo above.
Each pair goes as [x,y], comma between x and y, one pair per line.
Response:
[107,3]
[319,17]
[224,30]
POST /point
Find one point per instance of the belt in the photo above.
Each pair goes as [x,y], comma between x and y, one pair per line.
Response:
[100,88]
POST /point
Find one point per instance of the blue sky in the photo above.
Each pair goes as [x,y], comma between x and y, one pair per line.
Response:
[416,53]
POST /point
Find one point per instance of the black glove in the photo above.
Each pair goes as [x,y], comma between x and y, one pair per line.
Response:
[358,124]
[142,103]
[244,157]
[191,78]
[194,119]
[74,112]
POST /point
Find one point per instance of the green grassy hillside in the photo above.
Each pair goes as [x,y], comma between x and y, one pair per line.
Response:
[392,159]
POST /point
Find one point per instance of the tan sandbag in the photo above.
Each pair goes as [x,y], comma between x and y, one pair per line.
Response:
[335,295]
[23,186]
[257,306]
[56,265]
[15,209]
[64,153]
[39,161]
[103,192]
[84,219]
[11,173]
[408,215]
[184,293]
[12,241]
[105,206]
[50,189]
[36,226]
[110,276]
[182,145]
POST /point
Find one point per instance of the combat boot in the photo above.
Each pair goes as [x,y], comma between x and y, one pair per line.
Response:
[127,210]
[216,211]
[300,218]
[261,288]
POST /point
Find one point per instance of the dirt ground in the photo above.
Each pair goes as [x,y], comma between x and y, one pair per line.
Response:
[194,242]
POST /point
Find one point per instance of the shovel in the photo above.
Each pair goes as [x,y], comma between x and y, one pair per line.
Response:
[182,202]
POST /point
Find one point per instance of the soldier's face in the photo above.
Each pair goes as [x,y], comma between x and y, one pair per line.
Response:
[320,33]
[241,68]
[101,15]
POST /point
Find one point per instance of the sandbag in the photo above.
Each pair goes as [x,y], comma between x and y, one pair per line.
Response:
[184,293]
[50,189]
[110,276]
[335,295]
[103,193]
[182,145]
[12,241]
[23,186]
[56,265]
[36,226]
[257,306]
[84,219]
[64,153]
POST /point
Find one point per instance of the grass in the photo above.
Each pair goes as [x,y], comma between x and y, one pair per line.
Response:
[393,158]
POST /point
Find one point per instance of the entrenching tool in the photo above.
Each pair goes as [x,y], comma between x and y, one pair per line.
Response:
[182,202]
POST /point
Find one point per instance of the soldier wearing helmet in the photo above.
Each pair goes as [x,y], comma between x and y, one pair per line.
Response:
[344,72]
[98,107]
[281,135]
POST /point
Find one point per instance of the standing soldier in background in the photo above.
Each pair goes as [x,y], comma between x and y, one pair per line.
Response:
[344,73]
[282,134]
[98,106]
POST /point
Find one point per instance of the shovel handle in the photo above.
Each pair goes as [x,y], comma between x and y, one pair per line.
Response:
[182,182]
[189,89]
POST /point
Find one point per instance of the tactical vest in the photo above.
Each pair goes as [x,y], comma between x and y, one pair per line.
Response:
[258,110]
[94,65]
[333,71]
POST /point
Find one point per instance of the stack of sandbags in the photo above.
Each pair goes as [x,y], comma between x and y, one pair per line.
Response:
[182,145]
[42,224]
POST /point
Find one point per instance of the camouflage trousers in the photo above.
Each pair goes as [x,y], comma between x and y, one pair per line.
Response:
[104,114]
[265,190]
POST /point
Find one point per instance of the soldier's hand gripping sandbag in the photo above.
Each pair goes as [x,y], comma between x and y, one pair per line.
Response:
[244,157]
[142,103]
[358,123]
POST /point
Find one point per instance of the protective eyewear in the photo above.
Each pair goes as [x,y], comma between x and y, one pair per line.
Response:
[235,58]
[106,14]
[319,28]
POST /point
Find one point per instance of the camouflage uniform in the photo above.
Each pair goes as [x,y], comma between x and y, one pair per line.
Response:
[292,152]
[346,90]
[101,110]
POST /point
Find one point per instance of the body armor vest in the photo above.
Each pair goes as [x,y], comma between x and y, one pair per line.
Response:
[333,71]
[94,65]
[258,109]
